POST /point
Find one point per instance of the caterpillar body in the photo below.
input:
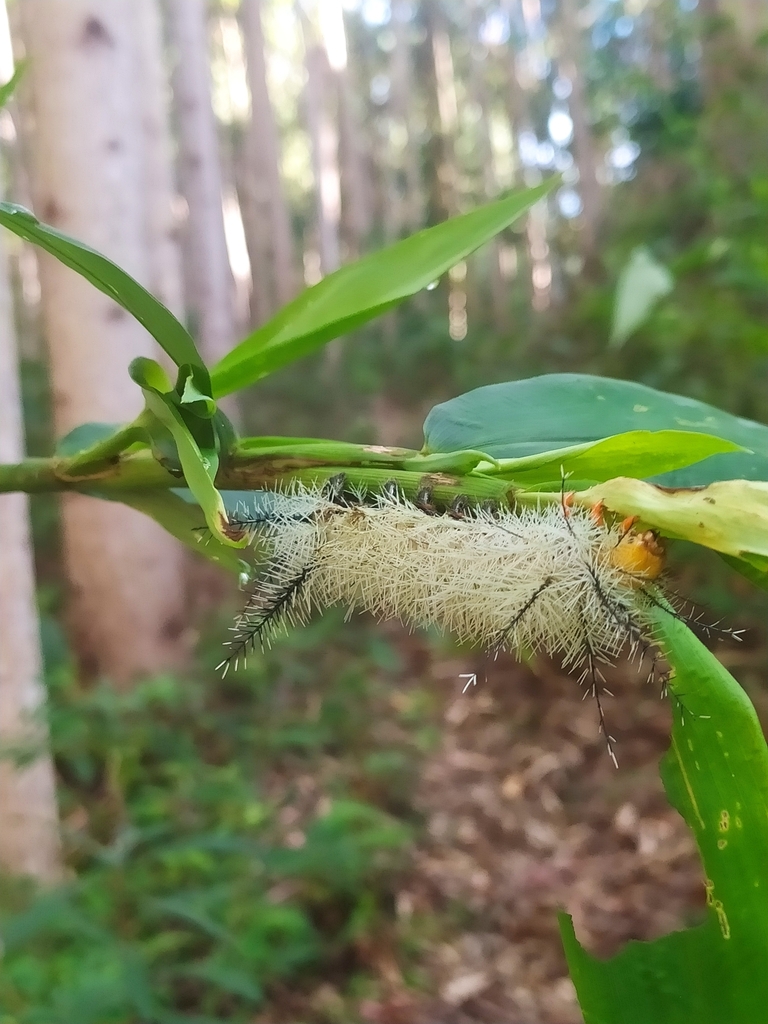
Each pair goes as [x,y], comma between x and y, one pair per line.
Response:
[556,578]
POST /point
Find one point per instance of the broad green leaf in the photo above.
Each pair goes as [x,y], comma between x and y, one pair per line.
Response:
[362,290]
[639,453]
[199,467]
[641,284]
[716,775]
[527,417]
[730,517]
[105,275]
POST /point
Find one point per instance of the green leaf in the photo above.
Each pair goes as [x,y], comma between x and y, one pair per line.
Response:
[364,289]
[642,283]
[716,775]
[194,389]
[85,436]
[199,467]
[229,979]
[528,417]
[105,275]
[639,453]
[752,567]
[187,910]
[184,520]
[9,88]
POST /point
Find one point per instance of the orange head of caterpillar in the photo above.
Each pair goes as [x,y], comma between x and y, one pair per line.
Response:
[640,554]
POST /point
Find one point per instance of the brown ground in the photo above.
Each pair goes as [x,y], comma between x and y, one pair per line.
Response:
[524,815]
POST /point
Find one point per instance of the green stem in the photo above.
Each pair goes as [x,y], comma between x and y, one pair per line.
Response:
[37,476]
[140,471]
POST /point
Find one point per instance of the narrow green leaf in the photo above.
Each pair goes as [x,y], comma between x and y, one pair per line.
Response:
[110,279]
[541,414]
[753,568]
[716,775]
[85,436]
[364,289]
[199,467]
[638,453]
[232,980]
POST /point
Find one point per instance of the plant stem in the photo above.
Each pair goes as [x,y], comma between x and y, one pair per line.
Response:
[36,476]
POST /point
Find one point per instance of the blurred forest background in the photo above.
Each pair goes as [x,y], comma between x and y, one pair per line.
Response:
[338,833]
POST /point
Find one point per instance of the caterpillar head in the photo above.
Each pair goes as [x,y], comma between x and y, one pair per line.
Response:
[638,553]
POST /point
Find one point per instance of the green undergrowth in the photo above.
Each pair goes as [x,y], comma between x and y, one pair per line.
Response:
[226,840]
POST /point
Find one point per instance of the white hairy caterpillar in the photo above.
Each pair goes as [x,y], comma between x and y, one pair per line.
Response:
[555,578]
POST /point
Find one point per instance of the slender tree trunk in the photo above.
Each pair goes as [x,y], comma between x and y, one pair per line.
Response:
[443,116]
[519,121]
[401,105]
[29,839]
[571,66]
[126,605]
[355,219]
[265,210]
[479,91]
[324,142]
[210,286]
[165,274]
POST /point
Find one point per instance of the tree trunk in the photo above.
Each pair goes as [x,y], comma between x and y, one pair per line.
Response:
[478,87]
[442,102]
[324,142]
[29,838]
[265,212]
[401,105]
[571,65]
[165,276]
[126,604]
[209,286]
[355,217]
[519,116]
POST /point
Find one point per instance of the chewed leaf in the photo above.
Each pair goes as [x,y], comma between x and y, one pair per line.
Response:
[730,516]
